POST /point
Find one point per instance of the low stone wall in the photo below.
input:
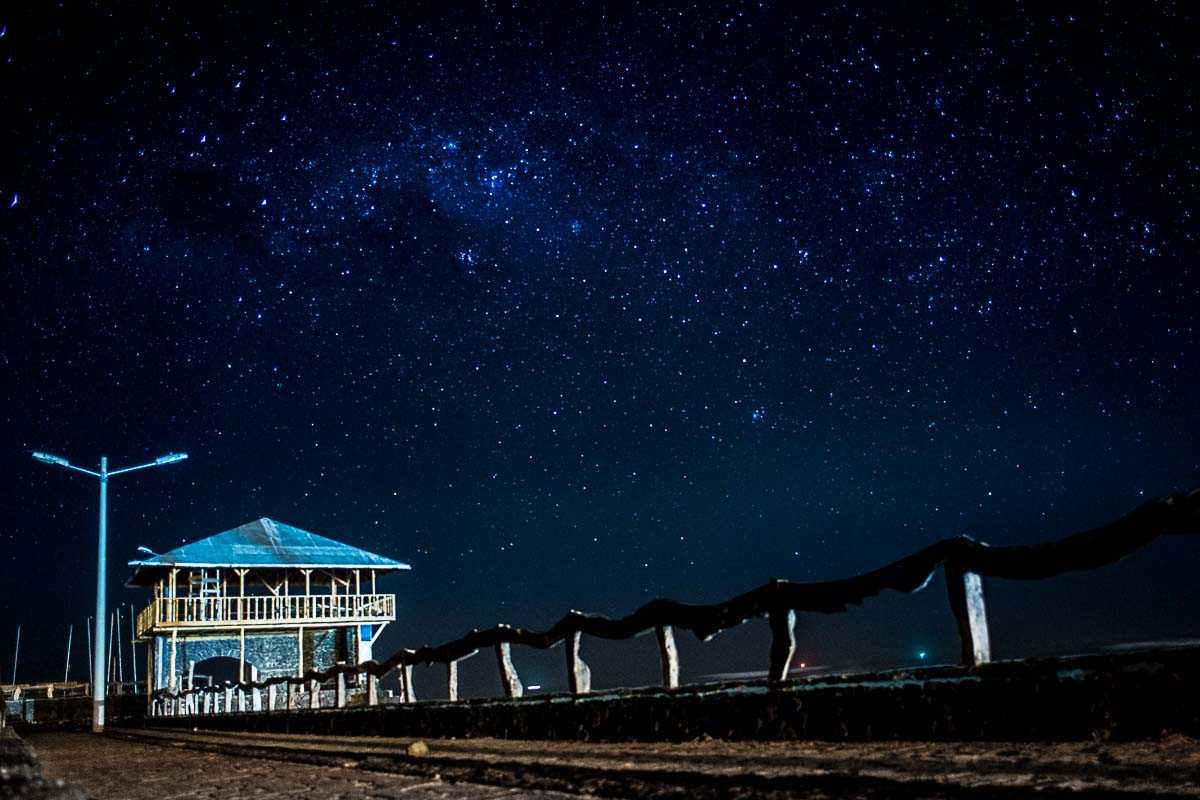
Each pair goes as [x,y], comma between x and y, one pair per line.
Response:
[21,775]
[1123,696]
[73,712]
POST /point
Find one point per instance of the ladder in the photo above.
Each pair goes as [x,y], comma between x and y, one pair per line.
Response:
[203,584]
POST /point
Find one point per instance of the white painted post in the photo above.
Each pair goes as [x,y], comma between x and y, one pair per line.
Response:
[340,691]
[256,693]
[509,680]
[579,675]
[191,682]
[668,655]
[970,612]
[783,643]
[452,680]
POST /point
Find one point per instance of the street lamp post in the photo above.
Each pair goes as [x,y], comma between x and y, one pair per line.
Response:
[99,671]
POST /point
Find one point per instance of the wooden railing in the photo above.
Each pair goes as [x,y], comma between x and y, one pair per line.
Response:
[263,610]
[965,562]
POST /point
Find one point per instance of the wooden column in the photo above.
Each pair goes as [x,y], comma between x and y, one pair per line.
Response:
[452,680]
[228,698]
[300,652]
[340,691]
[783,643]
[966,602]
[314,694]
[241,654]
[208,702]
[579,675]
[271,697]
[372,690]
[668,655]
[509,680]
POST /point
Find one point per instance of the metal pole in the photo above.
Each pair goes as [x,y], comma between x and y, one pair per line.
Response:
[133,647]
[99,683]
[120,658]
[16,652]
[111,657]
[67,671]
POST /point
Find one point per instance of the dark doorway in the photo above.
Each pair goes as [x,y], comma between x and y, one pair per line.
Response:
[218,670]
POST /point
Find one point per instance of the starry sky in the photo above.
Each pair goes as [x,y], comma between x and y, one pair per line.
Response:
[575,305]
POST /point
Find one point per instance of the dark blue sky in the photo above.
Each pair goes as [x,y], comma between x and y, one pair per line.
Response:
[583,305]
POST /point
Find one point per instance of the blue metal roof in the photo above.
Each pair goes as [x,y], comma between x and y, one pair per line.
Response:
[267,543]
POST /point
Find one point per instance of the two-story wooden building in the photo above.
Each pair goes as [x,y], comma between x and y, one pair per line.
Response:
[273,597]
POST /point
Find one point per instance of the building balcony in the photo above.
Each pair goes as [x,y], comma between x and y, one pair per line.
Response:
[166,614]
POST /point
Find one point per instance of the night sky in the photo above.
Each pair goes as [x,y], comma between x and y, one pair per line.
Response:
[573,306]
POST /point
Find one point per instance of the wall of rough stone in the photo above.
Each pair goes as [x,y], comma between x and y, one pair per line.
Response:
[274,654]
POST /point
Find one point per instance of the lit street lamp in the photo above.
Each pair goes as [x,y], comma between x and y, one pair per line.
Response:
[99,676]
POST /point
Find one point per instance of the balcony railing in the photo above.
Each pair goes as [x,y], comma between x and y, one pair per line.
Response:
[263,611]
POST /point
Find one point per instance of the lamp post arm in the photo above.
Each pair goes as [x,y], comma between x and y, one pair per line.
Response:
[173,458]
[133,469]
[93,473]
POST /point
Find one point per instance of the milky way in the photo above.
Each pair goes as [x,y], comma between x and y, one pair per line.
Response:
[576,307]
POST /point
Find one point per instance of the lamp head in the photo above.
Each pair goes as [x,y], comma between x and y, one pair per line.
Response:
[170,458]
[46,458]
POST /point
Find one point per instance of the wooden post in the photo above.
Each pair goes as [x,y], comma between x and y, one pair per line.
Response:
[241,654]
[256,693]
[452,680]
[208,702]
[668,655]
[509,679]
[314,694]
[173,685]
[228,698]
[579,675]
[149,681]
[191,681]
[158,662]
[340,691]
[271,697]
[408,693]
[372,690]
[966,601]
[783,643]
[300,652]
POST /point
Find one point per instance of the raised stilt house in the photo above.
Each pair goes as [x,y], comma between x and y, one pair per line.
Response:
[259,601]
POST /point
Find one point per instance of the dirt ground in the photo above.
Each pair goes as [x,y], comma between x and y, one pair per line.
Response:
[161,765]
[115,769]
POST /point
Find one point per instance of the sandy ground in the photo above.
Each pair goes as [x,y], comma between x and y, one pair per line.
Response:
[160,765]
